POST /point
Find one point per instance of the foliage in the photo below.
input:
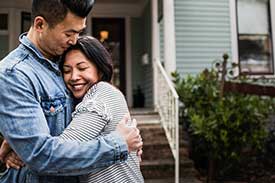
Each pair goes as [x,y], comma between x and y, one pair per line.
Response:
[221,127]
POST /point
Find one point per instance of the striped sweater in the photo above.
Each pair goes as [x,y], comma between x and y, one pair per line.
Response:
[100,111]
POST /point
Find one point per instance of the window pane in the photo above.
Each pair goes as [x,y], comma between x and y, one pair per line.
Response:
[255,53]
[254,37]
[4,46]
[25,21]
[3,21]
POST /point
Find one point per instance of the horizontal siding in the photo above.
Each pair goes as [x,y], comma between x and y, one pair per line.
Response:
[161,41]
[202,33]
[147,69]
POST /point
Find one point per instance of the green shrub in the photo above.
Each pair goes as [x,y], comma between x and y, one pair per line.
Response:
[223,127]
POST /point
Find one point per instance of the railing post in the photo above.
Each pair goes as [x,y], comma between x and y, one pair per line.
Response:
[177,158]
[168,108]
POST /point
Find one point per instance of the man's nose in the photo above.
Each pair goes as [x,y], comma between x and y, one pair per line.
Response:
[73,39]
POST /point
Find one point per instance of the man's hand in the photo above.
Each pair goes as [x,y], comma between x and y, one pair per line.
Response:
[130,134]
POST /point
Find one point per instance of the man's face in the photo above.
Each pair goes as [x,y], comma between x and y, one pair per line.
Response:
[54,41]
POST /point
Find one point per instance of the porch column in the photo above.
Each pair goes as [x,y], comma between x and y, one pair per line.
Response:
[155,45]
[169,36]
[128,39]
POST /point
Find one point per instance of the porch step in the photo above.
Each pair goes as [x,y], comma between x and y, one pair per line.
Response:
[158,163]
[145,116]
[171,180]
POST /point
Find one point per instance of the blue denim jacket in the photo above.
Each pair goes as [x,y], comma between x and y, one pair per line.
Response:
[36,107]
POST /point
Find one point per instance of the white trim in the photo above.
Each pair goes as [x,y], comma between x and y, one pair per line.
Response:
[14,23]
[155,45]
[169,36]
[128,61]
[234,33]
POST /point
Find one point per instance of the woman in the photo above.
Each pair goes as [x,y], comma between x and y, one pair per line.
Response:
[87,72]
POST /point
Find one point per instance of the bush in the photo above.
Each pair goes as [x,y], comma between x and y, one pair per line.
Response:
[222,127]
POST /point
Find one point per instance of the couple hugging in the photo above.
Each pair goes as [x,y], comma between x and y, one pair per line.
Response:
[44,139]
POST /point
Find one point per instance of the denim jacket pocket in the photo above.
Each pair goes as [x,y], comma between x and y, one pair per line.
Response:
[54,110]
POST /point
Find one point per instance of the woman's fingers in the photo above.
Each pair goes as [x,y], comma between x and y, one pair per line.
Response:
[13,161]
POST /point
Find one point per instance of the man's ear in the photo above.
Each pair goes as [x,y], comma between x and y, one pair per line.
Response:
[39,23]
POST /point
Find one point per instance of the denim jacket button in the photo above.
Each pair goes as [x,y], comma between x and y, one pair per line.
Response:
[52,109]
[122,156]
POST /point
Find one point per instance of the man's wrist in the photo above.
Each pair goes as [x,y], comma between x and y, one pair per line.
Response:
[121,148]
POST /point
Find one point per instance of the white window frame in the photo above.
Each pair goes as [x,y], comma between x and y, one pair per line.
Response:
[234,37]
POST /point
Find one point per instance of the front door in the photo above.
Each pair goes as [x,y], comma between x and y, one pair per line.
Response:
[111,33]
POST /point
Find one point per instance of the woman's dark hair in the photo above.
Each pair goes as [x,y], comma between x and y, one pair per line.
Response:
[55,11]
[96,53]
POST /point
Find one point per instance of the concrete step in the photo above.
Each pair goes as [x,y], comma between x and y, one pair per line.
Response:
[142,111]
[152,133]
[172,180]
[158,163]
[156,169]
[147,119]
[145,116]
[169,180]
[155,151]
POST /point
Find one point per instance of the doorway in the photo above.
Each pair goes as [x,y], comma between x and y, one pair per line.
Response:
[111,33]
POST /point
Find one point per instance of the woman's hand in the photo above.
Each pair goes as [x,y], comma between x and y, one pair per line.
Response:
[139,154]
[12,160]
[131,135]
[9,157]
[4,150]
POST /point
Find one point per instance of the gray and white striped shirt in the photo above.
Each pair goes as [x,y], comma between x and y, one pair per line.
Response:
[101,109]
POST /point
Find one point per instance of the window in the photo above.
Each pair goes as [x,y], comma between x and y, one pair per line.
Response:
[25,21]
[3,21]
[254,37]
[4,35]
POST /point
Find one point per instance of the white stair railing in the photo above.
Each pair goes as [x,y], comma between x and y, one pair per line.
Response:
[167,104]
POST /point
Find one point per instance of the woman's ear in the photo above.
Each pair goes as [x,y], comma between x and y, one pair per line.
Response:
[39,23]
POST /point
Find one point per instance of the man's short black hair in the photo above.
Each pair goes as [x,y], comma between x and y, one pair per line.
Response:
[55,11]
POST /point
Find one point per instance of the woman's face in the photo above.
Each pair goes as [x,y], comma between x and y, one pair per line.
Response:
[79,73]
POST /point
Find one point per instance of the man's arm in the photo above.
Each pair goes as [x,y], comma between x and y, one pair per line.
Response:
[24,126]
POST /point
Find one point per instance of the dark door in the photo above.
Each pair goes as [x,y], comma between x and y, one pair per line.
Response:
[111,33]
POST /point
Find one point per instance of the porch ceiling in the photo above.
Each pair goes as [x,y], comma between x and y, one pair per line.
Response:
[121,1]
[119,8]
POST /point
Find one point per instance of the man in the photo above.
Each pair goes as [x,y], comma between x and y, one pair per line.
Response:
[35,105]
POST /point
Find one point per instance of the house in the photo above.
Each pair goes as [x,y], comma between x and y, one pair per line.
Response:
[182,35]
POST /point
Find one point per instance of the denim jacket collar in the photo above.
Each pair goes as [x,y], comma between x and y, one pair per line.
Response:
[24,40]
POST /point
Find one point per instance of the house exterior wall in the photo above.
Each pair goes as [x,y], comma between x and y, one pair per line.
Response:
[141,44]
[147,67]
[137,44]
[203,33]
[161,41]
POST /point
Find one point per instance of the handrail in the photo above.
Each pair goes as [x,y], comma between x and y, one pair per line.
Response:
[167,104]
